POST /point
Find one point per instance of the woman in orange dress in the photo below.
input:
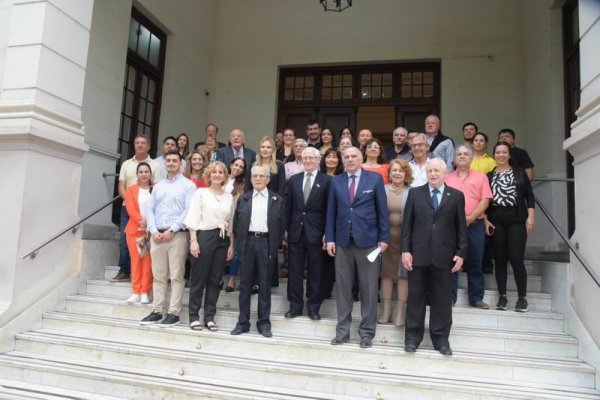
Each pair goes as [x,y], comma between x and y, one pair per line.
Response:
[136,200]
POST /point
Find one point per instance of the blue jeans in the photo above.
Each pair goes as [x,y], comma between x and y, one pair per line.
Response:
[472,265]
[124,259]
[233,265]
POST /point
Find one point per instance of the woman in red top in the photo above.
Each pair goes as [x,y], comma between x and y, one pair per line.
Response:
[195,169]
[136,201]
[374,159]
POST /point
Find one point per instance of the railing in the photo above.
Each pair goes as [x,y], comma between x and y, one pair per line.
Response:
[73,228]
[560,232]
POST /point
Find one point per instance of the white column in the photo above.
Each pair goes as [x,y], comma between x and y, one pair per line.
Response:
[43,55]
[584,144]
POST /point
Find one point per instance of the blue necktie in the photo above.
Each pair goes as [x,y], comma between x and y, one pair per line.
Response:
[434,199]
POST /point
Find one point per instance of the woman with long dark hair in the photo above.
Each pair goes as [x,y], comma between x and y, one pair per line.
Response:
[183,145]
[510,217]
[235,185]
[136,200]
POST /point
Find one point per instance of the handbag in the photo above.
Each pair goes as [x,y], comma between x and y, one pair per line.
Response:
[143,245]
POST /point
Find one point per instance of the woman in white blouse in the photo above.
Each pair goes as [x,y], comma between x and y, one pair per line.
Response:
[209,220]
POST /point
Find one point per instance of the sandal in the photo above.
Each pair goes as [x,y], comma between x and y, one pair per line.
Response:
[212,326]
[196,325]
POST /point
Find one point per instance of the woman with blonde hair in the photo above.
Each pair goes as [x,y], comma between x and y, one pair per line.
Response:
[196,164]
[400,177]
[209,220]
[266,157]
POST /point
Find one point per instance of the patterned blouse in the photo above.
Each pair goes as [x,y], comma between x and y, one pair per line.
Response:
[504,188]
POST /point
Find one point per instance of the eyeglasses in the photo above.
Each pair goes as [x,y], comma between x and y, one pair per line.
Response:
[374,147]
[418,145]
[258,176]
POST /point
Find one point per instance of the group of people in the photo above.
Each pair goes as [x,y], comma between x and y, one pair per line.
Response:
[414,213]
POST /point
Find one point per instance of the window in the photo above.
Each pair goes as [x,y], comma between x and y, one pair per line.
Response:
[336,87]
[376,86]
[299,88]
[416,84]
[142,85]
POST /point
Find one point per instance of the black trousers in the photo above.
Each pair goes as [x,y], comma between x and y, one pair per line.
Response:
[508,241]
[328,275]
[206,273]
[439,282]
[255,260]
[299,254]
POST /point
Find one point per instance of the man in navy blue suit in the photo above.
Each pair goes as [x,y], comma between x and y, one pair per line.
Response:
[357,224]
[306,206]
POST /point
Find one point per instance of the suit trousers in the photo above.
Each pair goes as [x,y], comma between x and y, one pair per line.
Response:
[168,262]
[328,275]
[141,267]
[439,282]
[303,253]
[255,260]
[206,273]
[351,260]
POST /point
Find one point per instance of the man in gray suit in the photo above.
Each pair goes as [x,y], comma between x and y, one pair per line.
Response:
[433,245]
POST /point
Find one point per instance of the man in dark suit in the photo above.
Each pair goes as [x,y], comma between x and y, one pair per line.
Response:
[306,206]
[357,224]
[258,226]
[434,245]
[237,149]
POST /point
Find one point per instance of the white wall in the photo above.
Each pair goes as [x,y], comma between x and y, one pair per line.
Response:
[189,25]
[584,144]
[252,39]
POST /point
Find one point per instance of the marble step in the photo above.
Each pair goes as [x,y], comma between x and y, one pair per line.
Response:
[132,383]
[537,301]
[382,380]
[534,282]
[511,338]
[299,347]
[19,390]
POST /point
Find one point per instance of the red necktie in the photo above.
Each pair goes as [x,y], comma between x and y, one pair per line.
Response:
[352,188]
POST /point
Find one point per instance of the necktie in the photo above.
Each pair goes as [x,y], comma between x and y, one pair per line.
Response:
[307,186]
[352,188]
[434,199]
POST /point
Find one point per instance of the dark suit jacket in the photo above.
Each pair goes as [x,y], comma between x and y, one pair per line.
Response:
[275,221]
[367,217]
[225,154]
[434,237]
[309,217]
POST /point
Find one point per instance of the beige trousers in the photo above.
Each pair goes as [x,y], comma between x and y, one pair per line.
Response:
[168,262]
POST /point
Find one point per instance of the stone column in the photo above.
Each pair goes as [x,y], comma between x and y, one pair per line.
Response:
[584,144]
[43,56]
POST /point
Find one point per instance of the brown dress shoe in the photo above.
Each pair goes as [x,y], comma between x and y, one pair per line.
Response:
[480,304]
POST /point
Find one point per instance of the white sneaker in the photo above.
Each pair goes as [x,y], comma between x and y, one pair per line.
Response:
[134,298]
[145,299]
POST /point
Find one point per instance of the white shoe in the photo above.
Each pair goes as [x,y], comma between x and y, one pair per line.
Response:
[134,298]
[145,299]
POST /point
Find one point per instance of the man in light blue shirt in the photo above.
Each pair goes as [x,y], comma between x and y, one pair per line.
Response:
[169,245]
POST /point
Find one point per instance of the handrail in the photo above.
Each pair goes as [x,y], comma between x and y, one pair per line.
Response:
[563,236]
[73,228]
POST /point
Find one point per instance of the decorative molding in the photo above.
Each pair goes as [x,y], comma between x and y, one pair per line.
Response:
[25,110]
[104,152]
[43,145]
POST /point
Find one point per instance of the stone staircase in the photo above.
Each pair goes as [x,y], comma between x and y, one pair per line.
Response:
[96,345]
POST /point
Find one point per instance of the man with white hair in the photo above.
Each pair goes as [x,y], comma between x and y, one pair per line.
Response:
[258,226]
[237,149]
[437,212]
[306,206]
[476,188]
[418,165]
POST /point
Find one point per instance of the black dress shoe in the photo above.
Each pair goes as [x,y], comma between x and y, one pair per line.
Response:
[335,341]
[238,330]
[314,316]
[366,342]
[254,289]
[266,333]
[410,348]
[293,314]
[446,350]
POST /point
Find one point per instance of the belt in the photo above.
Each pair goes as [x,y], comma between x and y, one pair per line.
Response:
[259,234]
[164,230]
